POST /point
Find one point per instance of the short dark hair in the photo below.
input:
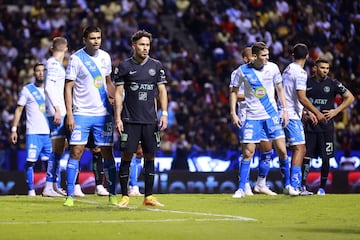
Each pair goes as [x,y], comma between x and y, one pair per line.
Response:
[139,34]
[300,51]
[89,30]
[38,64]
[321,60]
[257,47]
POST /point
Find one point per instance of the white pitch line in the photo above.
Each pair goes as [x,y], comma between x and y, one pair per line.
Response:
[120,221]
[234,217]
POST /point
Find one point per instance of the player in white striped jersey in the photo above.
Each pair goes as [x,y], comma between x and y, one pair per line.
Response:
[32,98]
[88,87]
[294,82]
[56,111]
[261,78]
[265,145]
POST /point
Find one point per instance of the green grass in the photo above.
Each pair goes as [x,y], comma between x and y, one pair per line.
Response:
[185,216]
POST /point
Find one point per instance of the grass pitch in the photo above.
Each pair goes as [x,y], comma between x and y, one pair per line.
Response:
[185,216]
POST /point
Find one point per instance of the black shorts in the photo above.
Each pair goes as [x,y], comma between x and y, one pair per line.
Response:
[319,144]
[147,134]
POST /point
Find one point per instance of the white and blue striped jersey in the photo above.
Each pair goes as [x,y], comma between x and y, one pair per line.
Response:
[54,86]
[259,89]
[87,100]
[36,121]
[294,78]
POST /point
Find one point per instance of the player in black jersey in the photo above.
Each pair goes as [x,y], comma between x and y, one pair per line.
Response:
[138,81]
[319,136]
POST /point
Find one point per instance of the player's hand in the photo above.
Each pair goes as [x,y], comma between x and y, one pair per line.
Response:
[163,122]
[70,123]
[329,114]
[312,118]
[235,120]
[13,137]
[57,118]
[119,126]
[321,117]
[284,119]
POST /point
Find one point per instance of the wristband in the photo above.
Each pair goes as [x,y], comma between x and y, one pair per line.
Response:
[13,129]
[164,113]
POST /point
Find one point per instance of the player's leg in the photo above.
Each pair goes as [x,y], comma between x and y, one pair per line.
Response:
[295,138]
[33,149]
[129,141]
[266,152]
[51,174]
[150,141]
[97,166]
[326,154]
[311,145]
[103,137]
[77,142]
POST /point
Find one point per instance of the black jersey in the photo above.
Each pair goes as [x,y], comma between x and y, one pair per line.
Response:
[140,86]
[322,95]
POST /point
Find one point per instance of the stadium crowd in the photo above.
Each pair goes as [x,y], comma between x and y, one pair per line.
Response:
[197,80]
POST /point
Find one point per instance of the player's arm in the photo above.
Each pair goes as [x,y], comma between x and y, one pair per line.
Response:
[233,99]
[50,91]
[348,98]
[309,106]
[110,87]
[163,99]
[68,92]
[18,111]
[118,105]
[281,95]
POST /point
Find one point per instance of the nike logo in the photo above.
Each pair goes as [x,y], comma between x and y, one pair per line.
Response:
[132,72]
[308,89]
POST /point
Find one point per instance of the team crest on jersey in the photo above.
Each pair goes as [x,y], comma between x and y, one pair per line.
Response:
[42,107]
[152,72]
[326,89]
[260,92]
[98,82]
[134,86]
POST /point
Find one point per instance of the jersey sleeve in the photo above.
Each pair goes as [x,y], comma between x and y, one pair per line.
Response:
[23,96]
[72,68]
[161,73]
[301,80]
[119,74]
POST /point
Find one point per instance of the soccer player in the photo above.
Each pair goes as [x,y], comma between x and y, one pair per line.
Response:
[322,90]
[265,146]
[141,77]
[56,111]
[261,78]
[88,87]
[32,98]
[294,82]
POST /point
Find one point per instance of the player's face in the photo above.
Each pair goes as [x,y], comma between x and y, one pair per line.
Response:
[39,73]
[262,57]
[141,48]
[93,41]
[322,69]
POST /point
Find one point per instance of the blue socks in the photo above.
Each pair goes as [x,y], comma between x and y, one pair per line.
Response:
[29,174]
[296,176]
[244,173]
[72,170]
[285,171]
[264,163]
[135,169]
